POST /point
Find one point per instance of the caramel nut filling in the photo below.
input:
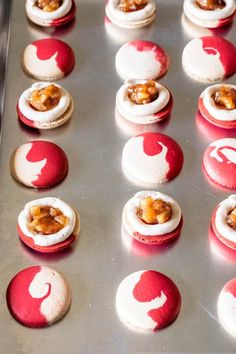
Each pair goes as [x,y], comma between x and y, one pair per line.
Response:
[225,98]
[154,211]
[231,219]
[46,220]
[46,98]
[48,5]
[132,5]
[211,5]
[143,93]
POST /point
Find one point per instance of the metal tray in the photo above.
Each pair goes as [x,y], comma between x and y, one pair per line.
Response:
[96,186]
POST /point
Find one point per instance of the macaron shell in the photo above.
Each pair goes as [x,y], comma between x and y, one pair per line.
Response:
[38,296]
[225,241]
[226,307]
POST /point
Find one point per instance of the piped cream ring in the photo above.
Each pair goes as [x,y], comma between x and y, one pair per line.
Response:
[33,11]
[133,223]
[46,116]
[52,239]
[220,218]
[209,103]
[192,10]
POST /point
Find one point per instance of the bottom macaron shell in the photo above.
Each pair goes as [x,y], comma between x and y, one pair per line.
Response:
[159,239]
[225,21]
[227,242]
[165,112]
[219,123]
[65,19]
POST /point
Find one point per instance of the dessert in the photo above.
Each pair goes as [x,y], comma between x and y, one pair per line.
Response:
[152,217]
[48,225]
[226,307]
[38,296]
[141,60]
[147,301]
[144,101]
[45,106]
[39,164]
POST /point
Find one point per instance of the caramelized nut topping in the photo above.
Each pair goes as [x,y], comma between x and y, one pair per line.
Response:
[46,98]
[225,98]
[231,219]
[132,5]
[154,211]
[143,93]
[45,220]
[211,5]
[48,5]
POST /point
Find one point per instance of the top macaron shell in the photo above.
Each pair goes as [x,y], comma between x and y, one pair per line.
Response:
[226,307]
[48,59]
[209,58]
[141,60]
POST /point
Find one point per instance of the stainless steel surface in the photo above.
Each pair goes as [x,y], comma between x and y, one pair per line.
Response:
[96,186]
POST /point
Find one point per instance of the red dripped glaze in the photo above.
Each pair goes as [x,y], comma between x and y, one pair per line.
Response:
[150,286]
[47,47]
[20,303]
[56,167]
[65,19]
[230,287]
[214,45]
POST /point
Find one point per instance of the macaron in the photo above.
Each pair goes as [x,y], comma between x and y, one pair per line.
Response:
[219,162]
[209,58]
[39,164]
[131,15]
[152,158]
[48,59]
[147,301]
[38,296]
[217,104]
[50,13]
[141,60]
[45,106]
[226,307]
[48,225]
[144,101]
[224,221]
[152,217]
[210,14]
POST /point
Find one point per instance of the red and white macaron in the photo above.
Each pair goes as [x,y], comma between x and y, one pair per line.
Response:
[147,301]
[213,18]
[155,234]
[147,113]
[141,60]
[226,307]
[219,162]
[48,59]
[219,116]
[50,17]
[48,118]
[220,222]
[152,158]
[34,230]
[209,58]
[38,296]
[39,164]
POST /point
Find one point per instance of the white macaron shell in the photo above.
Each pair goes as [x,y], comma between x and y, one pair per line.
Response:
[33,10]
[221,225]
[226,308]
[191,8]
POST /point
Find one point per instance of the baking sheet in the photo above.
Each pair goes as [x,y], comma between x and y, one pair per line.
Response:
[96,186]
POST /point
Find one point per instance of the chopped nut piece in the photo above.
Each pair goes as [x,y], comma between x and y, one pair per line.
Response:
[225,98]
[143,93]
[46,220]
[46,98]
[231,219]
[211,5]
[154,211]
[48,5]
[132,5]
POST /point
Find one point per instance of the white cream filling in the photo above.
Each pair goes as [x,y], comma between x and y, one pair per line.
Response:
[33,10]
[123,101]
[43,117]
[209,103]
[220,219]
[191,8]
[114,13]
[52,239]
[135,224]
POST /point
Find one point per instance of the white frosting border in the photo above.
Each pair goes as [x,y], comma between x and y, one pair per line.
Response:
[220,218]
[133,224]
[33,10]
[214,111]
[193,10]
[47,116]
[48,240]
